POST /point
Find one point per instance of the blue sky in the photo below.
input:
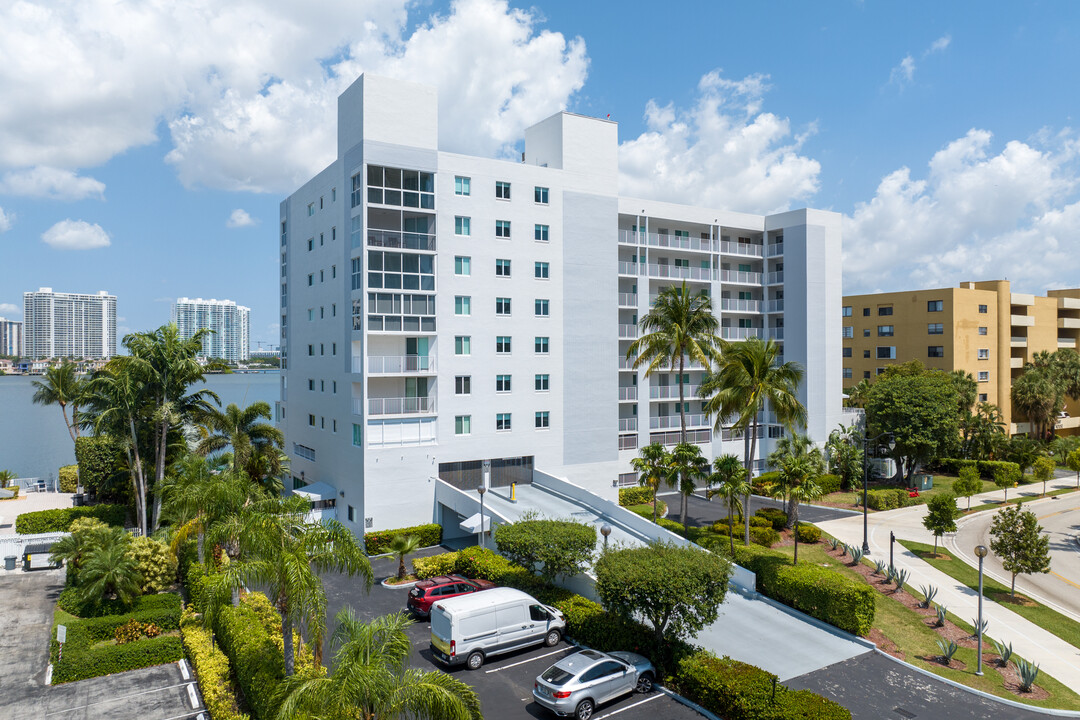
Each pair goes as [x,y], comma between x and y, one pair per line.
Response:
[131,135]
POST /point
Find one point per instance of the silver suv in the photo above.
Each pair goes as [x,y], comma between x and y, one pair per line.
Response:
[578,683]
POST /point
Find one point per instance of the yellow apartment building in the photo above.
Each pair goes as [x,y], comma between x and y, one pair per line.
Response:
[980,327]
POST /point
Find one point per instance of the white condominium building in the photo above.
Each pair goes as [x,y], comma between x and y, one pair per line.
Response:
[69,324]
[466,318]
[11,337]
[230,324]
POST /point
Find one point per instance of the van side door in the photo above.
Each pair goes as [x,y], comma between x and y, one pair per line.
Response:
[515,627]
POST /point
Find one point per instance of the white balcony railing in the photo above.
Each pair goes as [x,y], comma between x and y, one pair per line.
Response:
[625,364]
[627,442]
[776,249]
[776,306]
[671,392]
[739,333]
[628,424]
[628,332]
[742,277]
[628,393]
[1017,341]
[396,406]
[629,268]
[397,239]
[397,364]
[776,333]
[736,305]
[681,271]
[666,422]
[776,278]
[737,248]
[627,299]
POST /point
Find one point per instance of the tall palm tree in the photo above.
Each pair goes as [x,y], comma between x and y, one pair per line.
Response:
[791,446]
[285,554]
[681,325]
[241,430]
[1035,395]
[686,467]
[652,466]
[729,477]
[749,377]
[796,469]
[61,386]
[371,675]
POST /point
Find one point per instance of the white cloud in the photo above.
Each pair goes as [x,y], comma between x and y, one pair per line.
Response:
[724,151]
[9,310]
[938,45]
[239,218]
[7,219]
[904,73]
[52,183]
[248,88]
[76,235]
[974,216]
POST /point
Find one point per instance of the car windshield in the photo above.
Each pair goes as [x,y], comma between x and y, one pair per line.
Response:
[556,676]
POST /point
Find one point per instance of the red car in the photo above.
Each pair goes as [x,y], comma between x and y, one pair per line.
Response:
[426,592]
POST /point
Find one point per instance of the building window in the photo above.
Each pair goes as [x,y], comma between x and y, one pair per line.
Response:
[310,244]
[502,190]
[984,376]
[357,435]
[866,374]
[845,311]
[311,279]
[866,332]
[463,424]
[543,308]
[847,373]
[311,420]
[984,353]
[333,194]
[502,422]
[311,384]
[502,383]
[333,233]
[463,345]
[543,420]
[849,332]
[321,238]
[352,514]
[502,228]
[847,352]
[310,314]
[333,271]
[542,383]
[463,385]
[540,195]
[502,268]
[866,312]
[462,265]
[885,330]
[935,351]
[879,371]
[982,397]
[982,309]
[310,209]
[540,233]
[935,329]
[982,330]
[310,350]
[866,354]
[934,305]
[502,344]
[502,306]
[886,352]
[540,345]
[885,310]
[462,225]
[461,185]
[462,305]
[540,270]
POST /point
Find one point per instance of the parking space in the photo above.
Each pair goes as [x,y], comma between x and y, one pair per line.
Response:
[505,682]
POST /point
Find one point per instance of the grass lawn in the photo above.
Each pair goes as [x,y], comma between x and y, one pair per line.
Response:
[1052,621]
[914,638]
[1014,498]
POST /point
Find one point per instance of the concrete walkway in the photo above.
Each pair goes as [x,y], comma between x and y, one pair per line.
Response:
[30,502]
[1056,657]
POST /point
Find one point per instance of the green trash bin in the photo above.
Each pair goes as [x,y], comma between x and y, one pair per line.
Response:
[922,482]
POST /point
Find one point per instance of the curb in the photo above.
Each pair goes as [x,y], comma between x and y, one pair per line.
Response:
[688,703]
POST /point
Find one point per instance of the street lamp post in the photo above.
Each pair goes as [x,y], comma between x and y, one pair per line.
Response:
[481,490]
[605,530]
[865,479]
[980,550]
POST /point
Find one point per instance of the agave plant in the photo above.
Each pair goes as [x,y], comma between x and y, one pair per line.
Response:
[1028,672]
[879,567]
[833,543]
[900,578]
[948,649]
[1003,651]
[856,554]
[941,613]
[890,574]
[980,627]
[929,593]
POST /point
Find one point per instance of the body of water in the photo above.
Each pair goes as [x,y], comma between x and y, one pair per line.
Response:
[34,441]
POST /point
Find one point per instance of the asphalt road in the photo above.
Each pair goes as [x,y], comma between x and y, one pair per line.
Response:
[701,512]
[1060,518]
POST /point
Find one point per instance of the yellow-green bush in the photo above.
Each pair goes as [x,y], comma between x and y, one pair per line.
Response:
[211,668]
[157,565]
[69,478]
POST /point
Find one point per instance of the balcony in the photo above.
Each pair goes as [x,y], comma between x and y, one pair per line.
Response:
[630,268]
[776,278]
[739,333]
[681,272]
[401,240]
[627,442]
[627,393]
[1016,363]
[776,333]
[628,300]
[627,332]
[397,365]
[396,406]
[671,392]
[776,249]
[678,242]
[1023,320]
[737,248]
[628,424]
[668,422]
[776,306]
[740,277]
[1016,341]
[735,305]
[1068,323]
[1067,343]
[1022,299]
[625,364]
[1069,303]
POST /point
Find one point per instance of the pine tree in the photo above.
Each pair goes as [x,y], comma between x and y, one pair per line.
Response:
[1017,539]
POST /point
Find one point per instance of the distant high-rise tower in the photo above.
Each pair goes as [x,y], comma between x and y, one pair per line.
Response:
[69,324]
[11,337]
[230,323]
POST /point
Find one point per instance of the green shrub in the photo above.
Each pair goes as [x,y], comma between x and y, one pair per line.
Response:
[549,547]
[211,667]
[952,465]
[721,525]
[822,593]
[428,567]
[764,536]
[69,478]
[96,458]
[379,541]
[760,482]
[987,468]
[157,564]
[83,663]
[759,521]
[809,533]
[828,483]
[257,665]
[69,602]
[671,525]
[888,499]
[775,516]
[59,520]
[635,496]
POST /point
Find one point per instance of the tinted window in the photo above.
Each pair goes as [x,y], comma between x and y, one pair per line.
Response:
[537,613]
[556,676]
[602,670]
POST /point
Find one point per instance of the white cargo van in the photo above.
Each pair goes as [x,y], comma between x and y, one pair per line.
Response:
[469,628]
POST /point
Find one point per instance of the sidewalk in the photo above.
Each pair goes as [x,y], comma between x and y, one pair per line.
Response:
[1055,657]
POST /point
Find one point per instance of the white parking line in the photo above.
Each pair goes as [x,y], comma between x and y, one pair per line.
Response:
[639,702]
[528,660]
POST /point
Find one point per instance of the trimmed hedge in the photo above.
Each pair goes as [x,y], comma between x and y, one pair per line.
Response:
[211,667]
[809,533]
[59,520]
[69,603]
[888,499]
[257,665]
[986,467]
[757,521]
[764,536]
[635,496]
[96,458]
[775,516]
[738,691]
[379,541]
[758,484]
[828,483]
[69,478]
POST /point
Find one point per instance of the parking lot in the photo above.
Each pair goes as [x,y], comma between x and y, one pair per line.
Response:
[505,682]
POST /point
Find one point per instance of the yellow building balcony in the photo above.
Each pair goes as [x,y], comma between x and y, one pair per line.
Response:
[1016,341]
[1016,362]
[1069,303]
[1022,299]
[1023,321]
[1069,323]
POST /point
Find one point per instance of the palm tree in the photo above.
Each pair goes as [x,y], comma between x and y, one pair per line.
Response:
[86,536]
[750,377]
[371,675]
[282,552]
[242,431]
[796,469]
[857,395]
[6,476]
[686,467]
[730,481]
[806,491]
[681,325]
[110,571]
[1036,397]
[61,386]
[195,498]
[652,469]
[402,546]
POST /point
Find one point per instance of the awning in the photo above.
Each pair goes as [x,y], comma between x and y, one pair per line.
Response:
[317,491]
[472,523]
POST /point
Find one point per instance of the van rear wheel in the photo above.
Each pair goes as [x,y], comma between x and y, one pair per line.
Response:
[475,660]
[584,710]
[552,638]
